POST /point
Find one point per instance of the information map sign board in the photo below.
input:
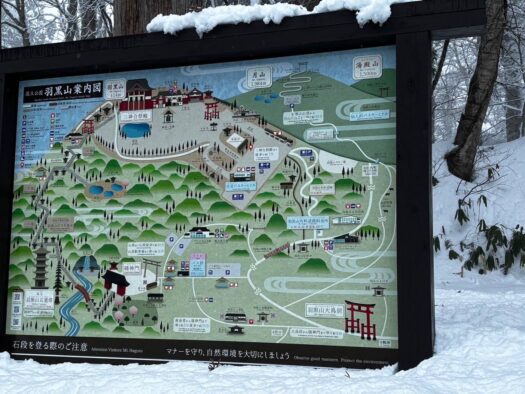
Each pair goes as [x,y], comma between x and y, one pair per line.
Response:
[240,211]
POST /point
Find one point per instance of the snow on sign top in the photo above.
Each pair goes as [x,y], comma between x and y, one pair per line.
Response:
[377,11]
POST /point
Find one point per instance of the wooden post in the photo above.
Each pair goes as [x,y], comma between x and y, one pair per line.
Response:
[414,215]
[8,94]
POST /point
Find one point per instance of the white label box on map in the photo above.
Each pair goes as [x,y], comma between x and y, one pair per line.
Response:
[194,325]
[320,134]
[294,99]
[115,89]
[132,268]
[330,311]
[146,248]
[39,303]
[88,150]
[385,343]
[28,224]
[223,269]
[370,115]
[198,264]
[270,153]
[370,170]
[308,222]
[303,117]
[314,332]
[324,189]
[58,224]
[29,188]
[259,77]
[136,116]
[241,186]
[368,67]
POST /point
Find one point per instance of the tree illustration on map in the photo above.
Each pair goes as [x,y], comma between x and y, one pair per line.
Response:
[250,201]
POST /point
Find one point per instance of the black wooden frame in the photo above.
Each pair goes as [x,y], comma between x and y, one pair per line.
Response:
[412,27]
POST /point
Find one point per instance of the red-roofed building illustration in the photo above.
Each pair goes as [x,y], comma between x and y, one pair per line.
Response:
[112,277]
[195,95]
[88,126]
[138,96]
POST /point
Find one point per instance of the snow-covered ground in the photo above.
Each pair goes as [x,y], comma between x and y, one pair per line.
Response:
[377,11]
[480,325]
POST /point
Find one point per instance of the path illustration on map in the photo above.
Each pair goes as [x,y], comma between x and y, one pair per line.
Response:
[176,204]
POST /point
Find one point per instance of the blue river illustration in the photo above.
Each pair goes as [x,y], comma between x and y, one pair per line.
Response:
[67,308]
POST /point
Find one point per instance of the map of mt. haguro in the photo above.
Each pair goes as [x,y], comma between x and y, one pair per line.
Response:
[242,202]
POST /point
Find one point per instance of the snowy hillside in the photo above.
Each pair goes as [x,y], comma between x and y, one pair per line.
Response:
[504,196]
[480,324]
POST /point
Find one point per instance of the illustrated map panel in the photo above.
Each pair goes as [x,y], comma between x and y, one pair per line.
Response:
[241,202]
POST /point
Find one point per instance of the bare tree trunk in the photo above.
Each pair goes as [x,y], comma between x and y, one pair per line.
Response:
[460,160]
[518,30]
[26,41]
[513,109]
[439,69]
[72,20]
[511,77]
[15,17]
[132,16]
[523,120]
[2,28]
[105,22]
[88,18]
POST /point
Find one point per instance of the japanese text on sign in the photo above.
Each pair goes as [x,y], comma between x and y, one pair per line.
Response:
[308,222]
[199,325]
[368,67]
[259,77]
[303,117]
[370,170]
[322,189]
[134,116]
[131,268]
[324,310]
[39,303]
[241,186]
[314,332]
[146,248]
[115,89]
[65,91]
[270,153]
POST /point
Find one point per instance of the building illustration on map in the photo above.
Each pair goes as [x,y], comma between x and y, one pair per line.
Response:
[250,202]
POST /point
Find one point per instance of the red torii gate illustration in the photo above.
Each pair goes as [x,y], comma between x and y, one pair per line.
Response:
[355,325]
[212,110]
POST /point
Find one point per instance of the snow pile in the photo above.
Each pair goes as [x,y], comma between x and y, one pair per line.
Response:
[207,19]
[480,348]
[377,11]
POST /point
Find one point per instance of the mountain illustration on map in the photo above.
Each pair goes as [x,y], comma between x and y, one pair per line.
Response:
[248,203]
